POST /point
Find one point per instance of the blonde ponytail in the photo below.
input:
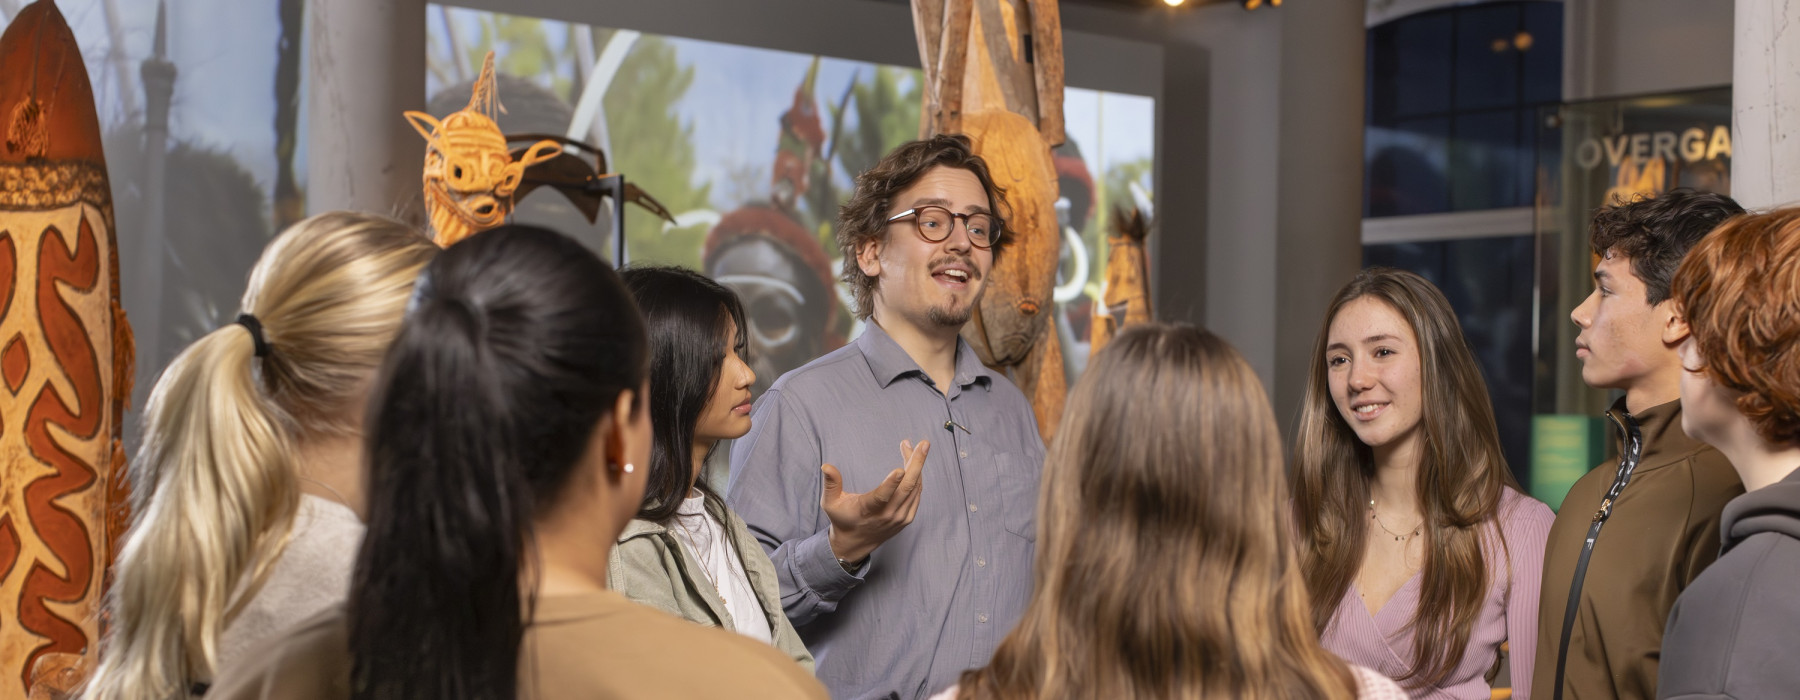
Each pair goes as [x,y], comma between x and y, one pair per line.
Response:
[214,483]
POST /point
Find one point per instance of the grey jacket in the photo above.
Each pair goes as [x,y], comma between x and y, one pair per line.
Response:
[650,567]
[1733,632]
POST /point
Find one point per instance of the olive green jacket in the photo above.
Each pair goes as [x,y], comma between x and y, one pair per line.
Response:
[650,567]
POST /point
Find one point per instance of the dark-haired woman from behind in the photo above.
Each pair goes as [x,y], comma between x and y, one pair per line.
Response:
[504,436]
[1421,553]
[686,552]
[1165,565]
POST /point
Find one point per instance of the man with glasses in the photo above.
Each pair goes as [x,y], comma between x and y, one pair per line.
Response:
[899,579]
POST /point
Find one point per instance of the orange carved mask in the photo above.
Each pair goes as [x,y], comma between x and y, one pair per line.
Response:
[470,177]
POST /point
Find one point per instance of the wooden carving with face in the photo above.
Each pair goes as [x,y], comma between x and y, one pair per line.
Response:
[994,72]
[470,177]
[1125,297]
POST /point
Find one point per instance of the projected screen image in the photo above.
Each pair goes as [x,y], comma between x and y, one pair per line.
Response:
[752,151]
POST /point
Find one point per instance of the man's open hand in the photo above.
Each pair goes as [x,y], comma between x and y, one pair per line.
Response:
[860,522]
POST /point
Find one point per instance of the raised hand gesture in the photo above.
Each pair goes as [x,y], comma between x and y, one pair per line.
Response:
[860,522]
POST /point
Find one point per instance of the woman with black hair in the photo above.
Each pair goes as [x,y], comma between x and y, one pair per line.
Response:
[502,438]
[686,552]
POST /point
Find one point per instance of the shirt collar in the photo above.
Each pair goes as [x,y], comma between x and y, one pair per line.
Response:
[1664,440]
[889,361]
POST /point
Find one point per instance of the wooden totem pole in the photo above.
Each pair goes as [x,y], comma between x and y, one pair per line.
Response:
[994,72]
[1125,296]
[65,361]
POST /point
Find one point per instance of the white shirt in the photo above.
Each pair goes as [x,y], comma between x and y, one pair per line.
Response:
[704,537]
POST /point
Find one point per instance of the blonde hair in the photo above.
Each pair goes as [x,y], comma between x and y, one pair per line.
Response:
[214,486]
[1166,566]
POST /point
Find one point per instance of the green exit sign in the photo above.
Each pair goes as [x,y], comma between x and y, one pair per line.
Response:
[1563,447]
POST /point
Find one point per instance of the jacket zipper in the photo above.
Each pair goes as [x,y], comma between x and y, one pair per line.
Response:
[1628,462]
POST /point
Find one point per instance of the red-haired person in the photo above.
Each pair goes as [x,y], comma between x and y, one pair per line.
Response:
[1732,632]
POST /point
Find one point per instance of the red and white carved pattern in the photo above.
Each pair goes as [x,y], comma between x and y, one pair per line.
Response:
[56,435]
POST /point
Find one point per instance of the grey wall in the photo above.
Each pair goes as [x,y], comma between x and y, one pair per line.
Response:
[1261,171]
[1616,48]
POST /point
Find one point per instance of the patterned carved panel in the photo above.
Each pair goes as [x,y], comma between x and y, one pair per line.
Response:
[65,361]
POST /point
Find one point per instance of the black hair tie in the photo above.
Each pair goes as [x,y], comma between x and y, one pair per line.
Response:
[256,333]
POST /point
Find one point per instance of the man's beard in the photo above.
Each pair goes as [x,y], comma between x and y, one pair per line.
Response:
[949,316]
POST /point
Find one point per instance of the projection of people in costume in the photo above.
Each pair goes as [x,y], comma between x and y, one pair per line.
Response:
[776,265]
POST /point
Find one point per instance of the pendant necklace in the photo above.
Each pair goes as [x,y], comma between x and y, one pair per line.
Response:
[1398,537]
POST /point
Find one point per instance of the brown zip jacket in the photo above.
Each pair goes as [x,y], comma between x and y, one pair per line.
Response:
[1661,531]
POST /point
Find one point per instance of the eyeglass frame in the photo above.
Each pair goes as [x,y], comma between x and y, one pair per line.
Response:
[993,237]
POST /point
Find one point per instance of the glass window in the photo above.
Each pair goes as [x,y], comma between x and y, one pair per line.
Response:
[1487,56]
[1453,97]
[1409,75]
[1408,167]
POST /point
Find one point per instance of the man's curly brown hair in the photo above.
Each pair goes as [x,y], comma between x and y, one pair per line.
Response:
[1739,291]
[864,217]
[1656,232]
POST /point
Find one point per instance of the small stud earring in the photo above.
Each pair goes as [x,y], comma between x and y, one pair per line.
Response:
[629,468]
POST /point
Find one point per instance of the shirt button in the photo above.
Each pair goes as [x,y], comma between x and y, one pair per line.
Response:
[965,454]
[980,562]
[972,508]
[981,618]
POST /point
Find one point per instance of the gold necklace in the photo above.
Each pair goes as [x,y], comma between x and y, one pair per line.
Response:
[1398,537]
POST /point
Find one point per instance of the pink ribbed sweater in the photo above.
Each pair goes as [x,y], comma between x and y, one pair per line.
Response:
[1384,641]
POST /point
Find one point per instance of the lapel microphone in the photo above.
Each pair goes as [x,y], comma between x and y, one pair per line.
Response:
[949,423]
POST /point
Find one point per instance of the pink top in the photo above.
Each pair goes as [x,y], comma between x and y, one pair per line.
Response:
[1369,686]
[1384,641]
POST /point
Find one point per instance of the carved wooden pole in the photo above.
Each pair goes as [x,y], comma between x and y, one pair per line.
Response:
[993,71]
[65,360]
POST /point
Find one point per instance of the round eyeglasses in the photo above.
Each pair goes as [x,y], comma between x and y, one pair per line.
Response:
[934,224]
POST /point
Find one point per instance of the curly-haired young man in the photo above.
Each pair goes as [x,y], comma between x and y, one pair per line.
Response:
[901,587]
[1632,535]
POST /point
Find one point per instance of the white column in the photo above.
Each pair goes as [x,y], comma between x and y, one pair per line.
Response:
[365,66]
[1765,104]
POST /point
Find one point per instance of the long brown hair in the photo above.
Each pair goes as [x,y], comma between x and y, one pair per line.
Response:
[1165,567]
[1460,478]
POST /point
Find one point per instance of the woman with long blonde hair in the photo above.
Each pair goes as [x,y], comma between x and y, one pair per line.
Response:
[1165,565]
[1421,553]
[247,491]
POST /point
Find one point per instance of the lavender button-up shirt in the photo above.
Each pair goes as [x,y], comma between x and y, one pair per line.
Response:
[937,598]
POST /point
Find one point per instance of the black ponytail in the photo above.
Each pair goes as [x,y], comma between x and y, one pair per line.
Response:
[517,343]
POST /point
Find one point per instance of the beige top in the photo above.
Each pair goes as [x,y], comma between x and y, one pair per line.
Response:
[590,645]
[313,574]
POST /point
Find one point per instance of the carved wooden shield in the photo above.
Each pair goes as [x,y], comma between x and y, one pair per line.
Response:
[65,359]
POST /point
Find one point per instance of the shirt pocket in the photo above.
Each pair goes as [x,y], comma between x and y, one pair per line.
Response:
[1019,480]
